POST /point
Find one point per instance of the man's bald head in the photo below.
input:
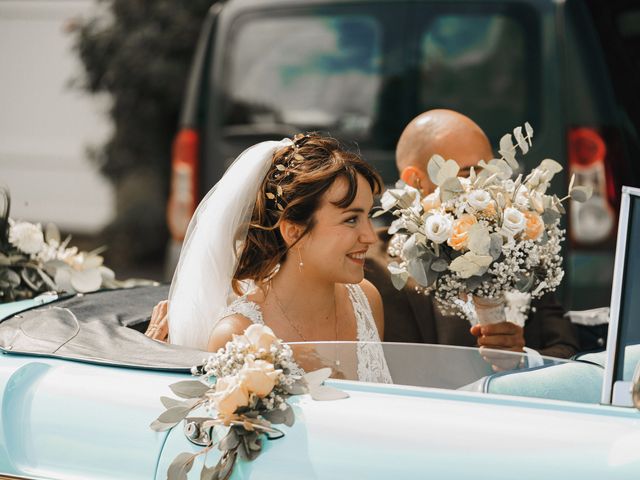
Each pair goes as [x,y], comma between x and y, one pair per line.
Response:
[444,132]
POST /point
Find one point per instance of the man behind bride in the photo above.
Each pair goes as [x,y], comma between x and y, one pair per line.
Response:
[413,317]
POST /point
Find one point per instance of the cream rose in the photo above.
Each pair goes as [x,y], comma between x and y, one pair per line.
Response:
[534,226]
[230,395]
[479,199]
[259,377]
[431,201]
[513,220]
[460,232]
[260,336]
[437,227]
[26,237]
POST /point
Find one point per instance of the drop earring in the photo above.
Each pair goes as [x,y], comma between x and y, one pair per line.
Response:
[300,262]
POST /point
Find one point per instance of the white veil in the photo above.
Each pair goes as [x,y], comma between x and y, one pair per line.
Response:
[201,285]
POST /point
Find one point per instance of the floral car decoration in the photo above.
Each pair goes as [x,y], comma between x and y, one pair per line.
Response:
[34,260]
[484,236]
[243,387]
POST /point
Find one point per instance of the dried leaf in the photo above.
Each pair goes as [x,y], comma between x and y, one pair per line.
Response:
[180,466]
[51,233]
[479,239]
[323,392]
[529,130]
[448,171]
[416,269]
[470,264]
[551,165]
[279,190]
[189,388]
[280,167]
[231,440]
[495,247]
[436,162]
[452,184]
[439,265]
[271,196]
[84,281]
[522,143]
[317,376]
[399,276]
[581,193]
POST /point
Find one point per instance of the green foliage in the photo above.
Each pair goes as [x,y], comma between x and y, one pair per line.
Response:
[139,52]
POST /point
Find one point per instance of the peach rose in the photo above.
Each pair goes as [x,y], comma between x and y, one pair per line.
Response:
[258,377]
[230,395]
[260,336]
[460,233]
[534,226]
[490,210]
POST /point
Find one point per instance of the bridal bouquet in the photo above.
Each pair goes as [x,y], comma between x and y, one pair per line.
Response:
[244,389]
[484,236]
[34,260]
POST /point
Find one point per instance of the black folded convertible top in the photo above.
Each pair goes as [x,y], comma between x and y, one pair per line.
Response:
[102,327]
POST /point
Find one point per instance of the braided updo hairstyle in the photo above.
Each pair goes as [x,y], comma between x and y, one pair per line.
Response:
[292,189]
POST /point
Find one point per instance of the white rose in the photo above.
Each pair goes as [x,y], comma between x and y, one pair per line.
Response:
[522,197]
[513,220]
[438,227]
[27,237]
[259,377]
[479,199]
[230,395]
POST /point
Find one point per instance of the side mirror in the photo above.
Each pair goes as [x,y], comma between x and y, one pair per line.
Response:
[635,387]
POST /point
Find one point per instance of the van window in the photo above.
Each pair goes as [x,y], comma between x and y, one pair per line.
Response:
[480,64]
[309,72]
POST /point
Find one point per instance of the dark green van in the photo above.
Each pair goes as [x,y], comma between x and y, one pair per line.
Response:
[361,69]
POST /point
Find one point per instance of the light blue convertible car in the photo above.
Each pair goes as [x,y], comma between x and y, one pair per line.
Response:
[80,385]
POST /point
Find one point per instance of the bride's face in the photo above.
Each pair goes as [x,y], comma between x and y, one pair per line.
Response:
[335,247]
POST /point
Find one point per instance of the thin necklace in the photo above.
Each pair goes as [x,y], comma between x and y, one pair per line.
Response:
[293,325]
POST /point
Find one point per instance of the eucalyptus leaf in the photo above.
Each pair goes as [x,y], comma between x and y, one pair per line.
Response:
[417,271]
[508,150]
[298,387]
[448,171]
[522,143]
[4,260]
[189,388]
[436,162]
[479,240]
[551,165]
[230,440]
[47,280]
[550,215]
[581,193]
[432,277]
[10,277]
[251,445]
[157,426]
[84,281]
[452,184]
[51,233]
[180,466]
[174,414]
[470,264]
[169,402]
[473,282]
[410,247]
[30,279]
[399,275]
[278,416]
[324,392]
[495,245]
[524,282]
[529,130]
[439,265]
[317,376]
[209,473]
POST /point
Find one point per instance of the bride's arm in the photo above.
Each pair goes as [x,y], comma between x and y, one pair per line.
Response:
[225,329]
[375,302]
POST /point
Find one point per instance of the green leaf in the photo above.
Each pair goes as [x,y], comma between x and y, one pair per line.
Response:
[417,271]
[189,389]
[174,415]
[581,194]
[399,276]
[550,215]
[180,466]
[436,162]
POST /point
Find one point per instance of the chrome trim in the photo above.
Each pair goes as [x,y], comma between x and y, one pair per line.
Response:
[6,476]
[616,291]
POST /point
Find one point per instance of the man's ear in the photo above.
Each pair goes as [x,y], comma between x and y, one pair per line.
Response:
[414,177]
[290,232]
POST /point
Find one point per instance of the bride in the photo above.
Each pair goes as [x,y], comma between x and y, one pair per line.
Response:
[281,241]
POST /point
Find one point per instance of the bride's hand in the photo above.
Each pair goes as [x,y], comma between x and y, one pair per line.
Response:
[159,325]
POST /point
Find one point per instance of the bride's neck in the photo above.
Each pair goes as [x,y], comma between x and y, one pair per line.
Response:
[297,286]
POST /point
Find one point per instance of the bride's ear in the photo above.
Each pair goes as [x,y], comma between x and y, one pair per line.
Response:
[291,232]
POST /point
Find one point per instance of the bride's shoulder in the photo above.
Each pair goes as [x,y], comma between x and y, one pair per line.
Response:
[375,302]
[226,328]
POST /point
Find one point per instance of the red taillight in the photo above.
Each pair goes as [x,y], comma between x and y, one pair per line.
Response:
[592,222]
[184,182]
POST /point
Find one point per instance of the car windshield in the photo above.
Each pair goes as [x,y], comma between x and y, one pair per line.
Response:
[89,329]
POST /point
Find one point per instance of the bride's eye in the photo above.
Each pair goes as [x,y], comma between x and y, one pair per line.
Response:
[351,220]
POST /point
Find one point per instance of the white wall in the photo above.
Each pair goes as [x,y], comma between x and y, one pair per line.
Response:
[45,126]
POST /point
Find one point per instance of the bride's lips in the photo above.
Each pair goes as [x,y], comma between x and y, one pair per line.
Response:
[357,257]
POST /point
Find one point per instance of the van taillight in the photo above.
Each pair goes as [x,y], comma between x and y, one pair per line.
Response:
[593,222]
[183,196]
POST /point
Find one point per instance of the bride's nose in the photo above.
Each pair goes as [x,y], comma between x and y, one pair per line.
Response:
[367,234]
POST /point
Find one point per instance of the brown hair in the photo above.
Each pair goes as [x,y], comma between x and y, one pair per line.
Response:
[299,175]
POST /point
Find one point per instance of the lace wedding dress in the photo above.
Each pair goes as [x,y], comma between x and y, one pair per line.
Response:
[372,366]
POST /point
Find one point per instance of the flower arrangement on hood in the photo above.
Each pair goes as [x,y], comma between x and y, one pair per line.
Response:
[34,260]
[243,388]
[486,235]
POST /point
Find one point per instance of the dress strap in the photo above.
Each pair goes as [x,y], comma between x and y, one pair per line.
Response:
[244,307]
[366,326]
